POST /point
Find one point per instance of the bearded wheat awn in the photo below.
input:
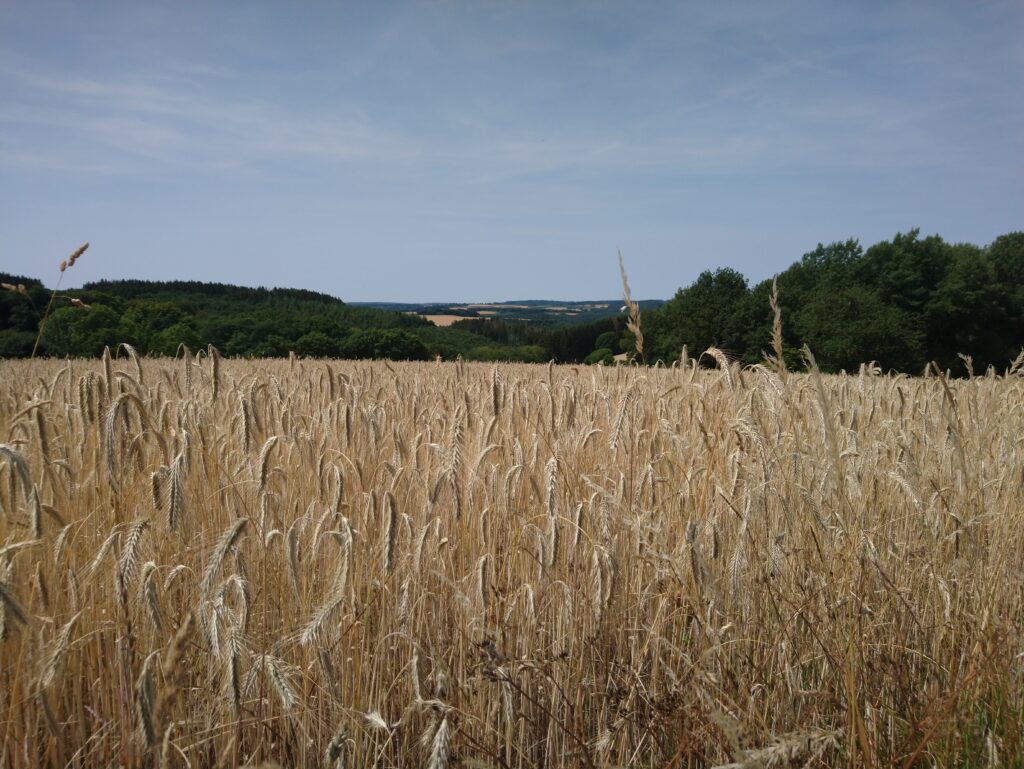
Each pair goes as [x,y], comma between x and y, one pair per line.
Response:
[148,595]
[390,533]
[440,750]
[128,562]
[220,550]
[8,603]
[145,699]
[335,598]
[264,461]
[20,468]
[175,492]
[56,655]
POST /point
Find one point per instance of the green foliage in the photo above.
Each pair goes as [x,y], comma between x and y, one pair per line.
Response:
[15,343]
[156,318]
[270,346]
[609,340]
[168,340]
[143,321]
[972,311]
[74,331]
[902,303]
[563,344]
[600,355]
[845,325]
[700,316]
[20,314]
[575,343]
[384,343]
[317,344]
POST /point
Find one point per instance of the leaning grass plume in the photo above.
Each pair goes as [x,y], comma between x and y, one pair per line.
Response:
[64,266]
[633,321]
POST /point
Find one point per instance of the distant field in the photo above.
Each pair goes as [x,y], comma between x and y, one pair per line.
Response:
[542,312]
[444,320]
[447,320]
[212,562]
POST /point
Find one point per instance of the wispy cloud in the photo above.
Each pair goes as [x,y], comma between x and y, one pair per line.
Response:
[167,119]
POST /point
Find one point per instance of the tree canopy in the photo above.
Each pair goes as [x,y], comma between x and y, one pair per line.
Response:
[902,303]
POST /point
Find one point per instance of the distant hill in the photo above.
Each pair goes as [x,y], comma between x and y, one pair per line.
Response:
[157,317]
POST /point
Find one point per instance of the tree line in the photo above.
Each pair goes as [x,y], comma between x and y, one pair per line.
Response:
[158,317]
[901,303]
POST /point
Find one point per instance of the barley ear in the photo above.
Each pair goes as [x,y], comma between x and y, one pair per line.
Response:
[335,754]
[8,603]
[265,460]
[779,359]
[440,751]
[220,550]
[56,656]
[19,467]
[390,532]
[214,355]
[145,700]
[278,682]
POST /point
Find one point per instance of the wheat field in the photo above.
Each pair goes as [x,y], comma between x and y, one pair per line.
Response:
[210,562]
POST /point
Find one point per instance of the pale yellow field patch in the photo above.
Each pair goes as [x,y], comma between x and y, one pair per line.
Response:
[444,320]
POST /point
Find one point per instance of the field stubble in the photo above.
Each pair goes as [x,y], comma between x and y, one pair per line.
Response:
[211,562]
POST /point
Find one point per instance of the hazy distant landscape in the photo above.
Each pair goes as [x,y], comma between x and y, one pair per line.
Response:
[538,311]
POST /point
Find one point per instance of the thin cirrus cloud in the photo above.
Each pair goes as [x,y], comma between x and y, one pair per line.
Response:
[163,121]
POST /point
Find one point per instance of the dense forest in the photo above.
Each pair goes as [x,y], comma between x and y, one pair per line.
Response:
[156,318]
[901,303]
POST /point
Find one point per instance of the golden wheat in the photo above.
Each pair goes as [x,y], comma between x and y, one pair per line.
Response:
[420,564]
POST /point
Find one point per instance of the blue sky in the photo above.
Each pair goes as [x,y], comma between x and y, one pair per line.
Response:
[432,151]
